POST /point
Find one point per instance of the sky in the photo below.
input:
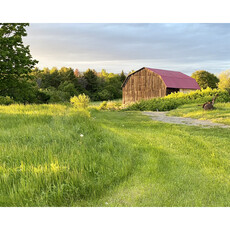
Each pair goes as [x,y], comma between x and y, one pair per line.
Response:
[115,47]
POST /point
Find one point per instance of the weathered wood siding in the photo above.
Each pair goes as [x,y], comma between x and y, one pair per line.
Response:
[143,85]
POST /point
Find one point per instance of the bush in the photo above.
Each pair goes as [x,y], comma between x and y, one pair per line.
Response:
[80,102]
[109,105]
[174,100]
[6,100]
[42,97]
[57,96]
[103,105]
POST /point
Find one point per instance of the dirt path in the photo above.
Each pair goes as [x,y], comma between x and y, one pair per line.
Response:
[161,116]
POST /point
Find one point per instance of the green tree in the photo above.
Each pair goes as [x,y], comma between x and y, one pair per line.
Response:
[54,78]
[205,79]
[69,88]
[67,74]
[122,76]
[103,73]
[37,76]
[15,61]
[92,81]
[224,80]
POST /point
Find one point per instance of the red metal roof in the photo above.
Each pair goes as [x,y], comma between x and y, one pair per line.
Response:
[173,79]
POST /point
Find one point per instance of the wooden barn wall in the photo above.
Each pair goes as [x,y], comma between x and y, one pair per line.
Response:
[143,85]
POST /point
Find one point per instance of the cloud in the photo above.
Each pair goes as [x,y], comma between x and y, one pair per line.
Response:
[183,47]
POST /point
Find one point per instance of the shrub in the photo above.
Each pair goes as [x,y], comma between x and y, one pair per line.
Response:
[110,105]
[174,100]
[6,100]
[42,97]
[80,102]
[103,105]
[113,105]
[57,96]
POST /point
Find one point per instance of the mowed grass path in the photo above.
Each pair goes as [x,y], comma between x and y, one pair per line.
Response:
[52,155]
[221,113]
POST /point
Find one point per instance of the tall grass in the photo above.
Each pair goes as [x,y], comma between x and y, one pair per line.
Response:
[54,155]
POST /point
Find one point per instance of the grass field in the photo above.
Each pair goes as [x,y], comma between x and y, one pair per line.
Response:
[53,155]
[221,113]
[97,103]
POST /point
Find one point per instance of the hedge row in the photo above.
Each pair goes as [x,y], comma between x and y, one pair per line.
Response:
[173,100]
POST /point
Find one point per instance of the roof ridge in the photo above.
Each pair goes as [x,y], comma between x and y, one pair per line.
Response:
[164,70]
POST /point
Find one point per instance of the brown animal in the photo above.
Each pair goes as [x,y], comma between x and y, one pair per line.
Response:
[209,105]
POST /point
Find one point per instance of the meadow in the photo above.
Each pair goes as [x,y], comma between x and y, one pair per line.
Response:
[55,155]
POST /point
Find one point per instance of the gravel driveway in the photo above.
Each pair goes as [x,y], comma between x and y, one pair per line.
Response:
[161,116]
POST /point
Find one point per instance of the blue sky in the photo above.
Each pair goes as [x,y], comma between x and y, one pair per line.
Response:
[116,47]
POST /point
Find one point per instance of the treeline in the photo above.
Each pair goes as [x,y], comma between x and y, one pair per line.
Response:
[58,85]
[21,82]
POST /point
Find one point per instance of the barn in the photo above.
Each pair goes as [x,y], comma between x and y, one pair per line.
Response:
[147,83]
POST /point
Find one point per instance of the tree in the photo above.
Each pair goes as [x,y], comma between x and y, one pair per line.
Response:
[76,73]
[122,76]
[37,75]
[55,77]
[15,60]
[69,88]
[67,74]
[224,80]
[92,81]
[103,73]
[114,87]
[205,79]
[104,95]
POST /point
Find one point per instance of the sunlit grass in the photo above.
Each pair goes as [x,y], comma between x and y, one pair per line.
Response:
[34,109]
[221,113]
[97,103]
[54,155]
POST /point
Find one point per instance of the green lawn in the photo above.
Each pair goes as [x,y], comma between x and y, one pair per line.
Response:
[53,155]
[221,113]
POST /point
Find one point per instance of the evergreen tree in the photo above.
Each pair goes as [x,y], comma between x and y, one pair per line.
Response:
[92,81]
[122,76]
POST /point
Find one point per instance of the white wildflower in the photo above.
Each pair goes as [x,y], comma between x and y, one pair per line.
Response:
[81,135]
